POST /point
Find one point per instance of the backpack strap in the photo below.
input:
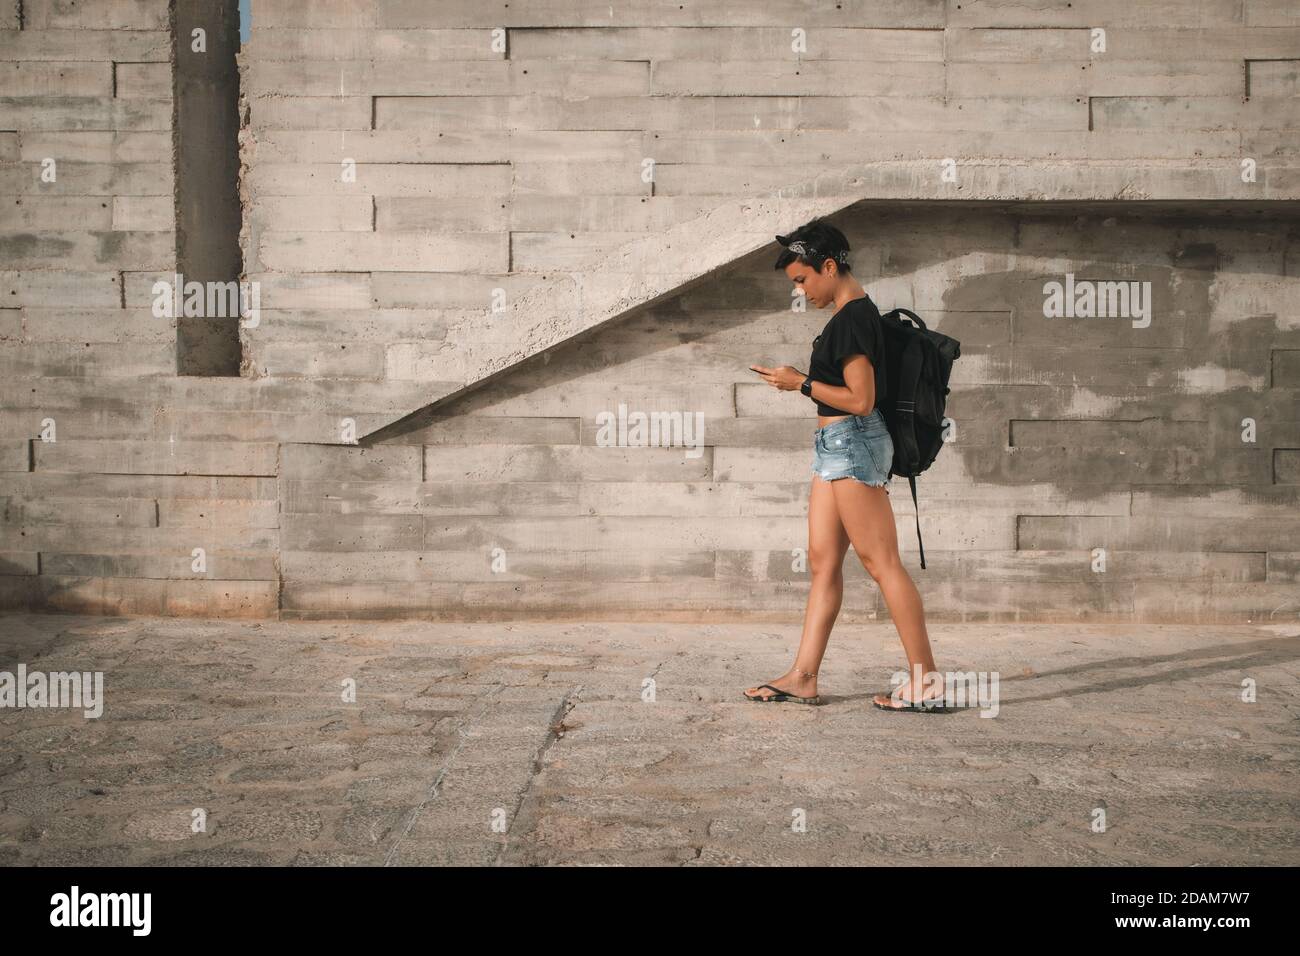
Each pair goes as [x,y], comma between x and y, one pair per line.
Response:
[895,313]
[906,411]
[909,376]
[911,481]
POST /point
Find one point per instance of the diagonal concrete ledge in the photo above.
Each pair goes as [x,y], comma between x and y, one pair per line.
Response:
[651,268]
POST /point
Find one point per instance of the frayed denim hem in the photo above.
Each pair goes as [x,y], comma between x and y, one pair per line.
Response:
[870,484]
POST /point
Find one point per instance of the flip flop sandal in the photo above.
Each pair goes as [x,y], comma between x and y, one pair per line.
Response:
[781,696]
[935,705]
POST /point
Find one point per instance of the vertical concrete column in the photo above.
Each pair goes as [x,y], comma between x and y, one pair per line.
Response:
[206,144]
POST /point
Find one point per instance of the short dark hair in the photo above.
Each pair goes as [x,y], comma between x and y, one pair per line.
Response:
[822,240]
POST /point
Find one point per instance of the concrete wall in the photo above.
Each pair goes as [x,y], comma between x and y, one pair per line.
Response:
[494,178]
[1072,434]
[500,208]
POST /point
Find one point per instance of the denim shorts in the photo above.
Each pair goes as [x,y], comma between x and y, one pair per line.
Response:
[857,447]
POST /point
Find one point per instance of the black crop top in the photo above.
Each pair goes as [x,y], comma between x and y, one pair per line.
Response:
[854,330]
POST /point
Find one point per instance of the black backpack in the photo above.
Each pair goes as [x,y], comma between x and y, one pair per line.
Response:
[918,363]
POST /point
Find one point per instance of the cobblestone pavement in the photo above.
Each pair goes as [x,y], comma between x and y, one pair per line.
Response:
[229,742]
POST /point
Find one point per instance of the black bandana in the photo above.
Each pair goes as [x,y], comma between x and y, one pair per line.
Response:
[803,249]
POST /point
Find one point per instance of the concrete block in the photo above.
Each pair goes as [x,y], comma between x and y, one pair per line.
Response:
[89,179]
[315,360]
[563,178]
[380,179]
[346,290]
[1271,13]
[1130,435]
[1112,13]
[135,80]
[299,214]
[369,326]
[563,463]
[544,396]
[1274,78]
[48,213]
[23,563]
[746,76]
[77,423]
[633,214]
[87,251]
[684,429]
[327,496]
[1216,501]
[50,79]
[132,46]
[396,290]
[97,146]
[130,513]
[411,14]
[1284,567]
[1218,602]
[1212,43]
[1098,78]
[1286,466]
[469,431]
[538,252]
[420,146]
[1153,368]
[414,44]
[366,251]
[1156,532]
[694,600]
[101,538]
[156,457]
[397,462]
[176,565]
[755,147]
[486,113]
[439,567]
[983,45]
[724,43]
[369,532]
[467,214]
[693,499]
[1193,112]
[125,596]
[143,214]
[57,289]
[69,113]
[15,455]
[71,484]
[100,15]
[310,78]
[1284,368]
[310,113]
[211,513]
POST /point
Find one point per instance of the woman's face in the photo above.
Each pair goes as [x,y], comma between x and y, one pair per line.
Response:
[818,287]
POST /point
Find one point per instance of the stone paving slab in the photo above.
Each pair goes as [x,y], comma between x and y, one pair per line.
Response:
[539,743]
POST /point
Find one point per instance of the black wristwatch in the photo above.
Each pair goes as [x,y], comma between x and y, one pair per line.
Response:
[806,387]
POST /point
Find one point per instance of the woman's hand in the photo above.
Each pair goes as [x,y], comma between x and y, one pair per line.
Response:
[785,378]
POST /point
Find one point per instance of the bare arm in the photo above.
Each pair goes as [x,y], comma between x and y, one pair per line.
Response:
[859,392]
[857,395]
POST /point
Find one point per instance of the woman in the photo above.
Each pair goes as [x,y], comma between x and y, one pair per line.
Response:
[852,455]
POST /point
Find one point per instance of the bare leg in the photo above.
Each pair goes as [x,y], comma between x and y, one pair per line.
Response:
[868,519]
[827,545]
